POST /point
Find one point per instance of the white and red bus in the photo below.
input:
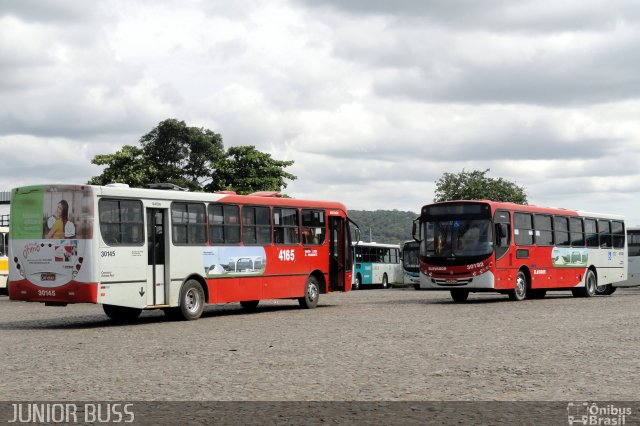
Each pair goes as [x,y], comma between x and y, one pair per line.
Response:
[131,249]
[520,250]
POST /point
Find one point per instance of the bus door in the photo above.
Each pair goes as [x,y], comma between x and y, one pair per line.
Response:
[156,221]
[338,253]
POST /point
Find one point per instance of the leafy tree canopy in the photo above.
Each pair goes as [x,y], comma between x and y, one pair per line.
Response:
[475,185]
[244,169]
[192,158]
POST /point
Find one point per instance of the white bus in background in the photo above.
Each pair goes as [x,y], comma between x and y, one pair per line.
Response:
[376,265]
[633,263]
[4,248]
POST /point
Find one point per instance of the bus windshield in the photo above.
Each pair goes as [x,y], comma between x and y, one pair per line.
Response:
[458,237]
[410,256]
[634,243]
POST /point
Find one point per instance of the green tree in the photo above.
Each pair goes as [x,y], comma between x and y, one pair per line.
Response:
[193,158]
[171,153]
[475,185]
[244,169]
[125,166]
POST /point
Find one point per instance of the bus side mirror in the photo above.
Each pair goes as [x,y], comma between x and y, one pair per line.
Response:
[413,230]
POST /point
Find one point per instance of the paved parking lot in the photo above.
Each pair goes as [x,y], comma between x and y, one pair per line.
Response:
[368,345]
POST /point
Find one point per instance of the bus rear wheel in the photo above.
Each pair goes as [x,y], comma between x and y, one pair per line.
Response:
[459,295]
[520,292]
[311,294]
[191,300]
[590,285]
[121,313]
[605,290]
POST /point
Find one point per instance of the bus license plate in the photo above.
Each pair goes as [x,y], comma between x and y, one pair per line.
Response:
[47,276]
[451,281]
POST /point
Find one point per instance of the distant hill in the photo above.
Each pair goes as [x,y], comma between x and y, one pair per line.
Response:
[384,226]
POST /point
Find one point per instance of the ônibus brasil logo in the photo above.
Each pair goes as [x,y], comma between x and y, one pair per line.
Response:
[585,413]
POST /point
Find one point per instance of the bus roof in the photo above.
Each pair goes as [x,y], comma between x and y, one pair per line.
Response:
[268,198]
[501,205]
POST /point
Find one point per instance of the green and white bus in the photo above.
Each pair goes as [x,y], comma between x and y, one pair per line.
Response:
[376,265]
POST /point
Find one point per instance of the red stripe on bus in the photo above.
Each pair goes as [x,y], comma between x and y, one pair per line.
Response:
[72,292]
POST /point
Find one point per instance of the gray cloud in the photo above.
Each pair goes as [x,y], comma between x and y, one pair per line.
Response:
[56,11]
[494,15]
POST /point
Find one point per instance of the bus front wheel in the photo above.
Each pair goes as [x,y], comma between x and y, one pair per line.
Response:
[121,313]
[311,294]
[385,281]
[357,282]
[459,295]
[520,292]
[191,300]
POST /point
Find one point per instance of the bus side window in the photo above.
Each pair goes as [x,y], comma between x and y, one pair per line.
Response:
[617,231]
[502,234]
[502,221]
[313,226]
[604,233]
[590,232]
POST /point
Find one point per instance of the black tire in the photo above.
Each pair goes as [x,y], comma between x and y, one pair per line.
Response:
[311,294]
[605,290]
[416,286]
[590,285]
[385,281]
[191,300]
[357,283]
[121,314]
[537,294]
[522,285]
[249,305]
[459,295]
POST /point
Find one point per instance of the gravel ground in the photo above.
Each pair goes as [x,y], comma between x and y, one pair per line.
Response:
[368,345]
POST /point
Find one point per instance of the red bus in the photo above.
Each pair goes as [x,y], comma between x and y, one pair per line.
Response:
[519,250]
[131,249]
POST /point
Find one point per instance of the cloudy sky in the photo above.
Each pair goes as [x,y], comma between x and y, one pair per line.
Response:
[373,99]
